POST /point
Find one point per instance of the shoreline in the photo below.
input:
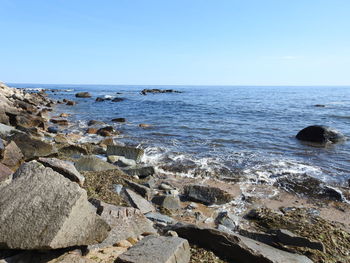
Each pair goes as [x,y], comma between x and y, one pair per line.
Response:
[214,204]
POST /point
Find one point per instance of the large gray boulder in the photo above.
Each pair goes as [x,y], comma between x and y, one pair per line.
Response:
[126,151]
[236,247]
[207,195]
[320,134]
[66,168]
[93,163]
[47,211]
[125,222]
[158,250]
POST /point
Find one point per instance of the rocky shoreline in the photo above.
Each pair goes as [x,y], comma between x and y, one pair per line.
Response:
[61,202]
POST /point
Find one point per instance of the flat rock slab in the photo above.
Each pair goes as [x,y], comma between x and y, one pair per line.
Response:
[236,247]
[137,201]
[44,210]
[66,168]
[93,163]
[207,195]
[125,222]
[126,151]
[158,250]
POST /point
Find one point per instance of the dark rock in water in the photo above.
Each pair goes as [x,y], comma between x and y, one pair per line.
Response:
[100,99]
[167,201]
[125,222]
[305,185]
[59,121]
[235,247]
[141,171]
[70,103]
[93,163]
[52,129]
[118,99]
[94,122]
[91,131]
[119,120]
[83,95]
[154,91]
[45,210]
[66,168]
[320,134]
[126,151]
[106,131]
[320,105]
[207,195]
[158,250]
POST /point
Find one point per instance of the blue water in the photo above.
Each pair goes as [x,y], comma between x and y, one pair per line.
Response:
[227,131]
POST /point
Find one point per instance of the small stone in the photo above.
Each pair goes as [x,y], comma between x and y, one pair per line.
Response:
[123,243]
[132,240]
[171,233]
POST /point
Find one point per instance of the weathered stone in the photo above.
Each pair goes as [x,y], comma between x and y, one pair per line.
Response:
[93,163]
[70,103]
[121,161]
[12,155]
[73,151]
[137,201]
[6,130]
[320,134]
[107,131]
[31,147]
[47,211]
[30,169]
[125,222]
[227,219]
[94,122]
[52,129]
[158,250]
[83,95]
[126,151]
[157,217]
[207,195]
[5,174]
[66,168]
[167,201]
[236,247]
[72,258]
[59,121]
[140,189]
[119,120]
[91,131]
[140,171]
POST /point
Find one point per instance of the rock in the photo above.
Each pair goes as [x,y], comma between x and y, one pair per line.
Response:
[228,220]
[64,115]
[93,163]
[6,130]
[12,155]
[59,121]
[288,238]
[236,247]
[167,201]
[31,147]
[72,258]
[83,95]
[52,129]
[320,105]
[106,131]
[118,99]
[121,161]
[70,103]
[73,151]
[119,120]
[126,151]
[320,134]
[154,91]
[100,99]
[5,174]
[166,187]
[144,125]
[91,131]
[140,171]
[27,121]
[157,217]
[137,201]
[94,122]
[140,189]
[207,195]
[47,211]
[125,222]
[66,168]
[158,250]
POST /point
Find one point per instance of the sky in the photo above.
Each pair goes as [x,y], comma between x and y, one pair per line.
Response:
[175,42]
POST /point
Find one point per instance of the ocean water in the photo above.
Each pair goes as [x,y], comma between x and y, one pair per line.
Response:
[242,132]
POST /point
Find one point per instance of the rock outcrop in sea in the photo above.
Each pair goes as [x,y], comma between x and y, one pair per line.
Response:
[65,200]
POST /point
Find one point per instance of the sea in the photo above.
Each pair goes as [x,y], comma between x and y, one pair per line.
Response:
[245,132]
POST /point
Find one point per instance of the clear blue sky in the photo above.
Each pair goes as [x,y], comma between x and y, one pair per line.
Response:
[225,42]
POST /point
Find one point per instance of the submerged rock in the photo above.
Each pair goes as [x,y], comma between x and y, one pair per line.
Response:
[154,91]
[320,134]
[207,195]
[158,250]
[47,211]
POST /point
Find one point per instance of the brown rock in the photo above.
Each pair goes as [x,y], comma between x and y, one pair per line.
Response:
[70,103]
[5,173]
[12,156]
[91,130]
[59,121]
